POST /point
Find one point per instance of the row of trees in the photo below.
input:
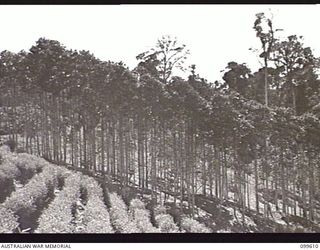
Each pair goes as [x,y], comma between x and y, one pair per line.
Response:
[254,137]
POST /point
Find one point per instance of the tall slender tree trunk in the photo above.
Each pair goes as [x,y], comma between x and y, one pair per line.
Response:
[102,164]
[204,170]
[176,167]
[84,137]
[266,85]
[284,200]
[311,186]
[256,184]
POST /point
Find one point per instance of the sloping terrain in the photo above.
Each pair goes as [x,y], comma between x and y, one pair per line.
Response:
[53,199]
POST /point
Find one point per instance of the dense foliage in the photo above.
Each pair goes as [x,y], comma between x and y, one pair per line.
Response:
[174,137]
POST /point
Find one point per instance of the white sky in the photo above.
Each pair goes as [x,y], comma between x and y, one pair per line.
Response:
[215,34]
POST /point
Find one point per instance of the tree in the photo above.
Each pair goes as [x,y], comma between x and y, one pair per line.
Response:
[257,80]
[296,65]
[167,56]
[11,73]
[264,31]
[236,78]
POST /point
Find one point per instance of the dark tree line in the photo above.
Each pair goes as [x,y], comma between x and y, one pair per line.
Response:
[254,137]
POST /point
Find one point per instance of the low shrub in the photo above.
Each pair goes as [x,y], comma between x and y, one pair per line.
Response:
[96,216]
[127,195]
[141,217]
[165,221]
[30,162]
[8,169]
[166,224]
[119,216]
[26,200]
[136,204]
[8,172]
[34,191]
[192,226]
[58,217]
[8,221]
[22,167]
[159,210]
[28,165]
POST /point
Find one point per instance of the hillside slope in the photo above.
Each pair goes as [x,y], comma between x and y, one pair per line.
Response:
[41,197]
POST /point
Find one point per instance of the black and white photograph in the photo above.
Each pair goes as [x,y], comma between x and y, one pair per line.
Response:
[159,119]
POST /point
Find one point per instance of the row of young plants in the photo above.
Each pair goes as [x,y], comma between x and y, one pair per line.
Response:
[29,165]
[59,216]
[30,198]
[189,225]
[138,219]
[120,219]
[8,221]
[16,167]
[95,218]
[141,216]
[8,172]
[165,221]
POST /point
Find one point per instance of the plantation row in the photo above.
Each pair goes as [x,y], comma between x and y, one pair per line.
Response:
[53,199]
